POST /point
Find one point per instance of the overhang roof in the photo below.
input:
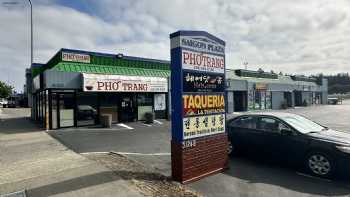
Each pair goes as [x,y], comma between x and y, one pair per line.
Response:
[115,70]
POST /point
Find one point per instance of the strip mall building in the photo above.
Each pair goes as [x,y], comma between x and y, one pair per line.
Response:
[74,88]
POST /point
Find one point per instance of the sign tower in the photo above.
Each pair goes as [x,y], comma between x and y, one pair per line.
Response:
[199,139]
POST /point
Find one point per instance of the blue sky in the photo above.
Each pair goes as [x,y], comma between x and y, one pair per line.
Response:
[292,36]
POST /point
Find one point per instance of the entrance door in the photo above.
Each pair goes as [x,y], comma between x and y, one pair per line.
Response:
[288,98]
[298,98]
[240,101]
[126,108]
[66,105]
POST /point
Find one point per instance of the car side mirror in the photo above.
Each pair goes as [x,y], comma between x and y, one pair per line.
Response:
[286,132]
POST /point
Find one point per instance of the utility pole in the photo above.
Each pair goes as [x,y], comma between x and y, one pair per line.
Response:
[14,3]
[31,32]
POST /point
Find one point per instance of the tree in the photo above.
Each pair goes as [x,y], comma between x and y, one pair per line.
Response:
[5,90]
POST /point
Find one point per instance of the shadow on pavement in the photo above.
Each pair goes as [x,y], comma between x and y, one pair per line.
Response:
[273,173]
[73,184]
[17,125]
[92,180]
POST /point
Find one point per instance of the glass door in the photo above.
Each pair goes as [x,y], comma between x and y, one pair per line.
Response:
[54,110]
[126,108]
[66,105]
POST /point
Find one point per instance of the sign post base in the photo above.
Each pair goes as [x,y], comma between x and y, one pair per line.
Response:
[207,156]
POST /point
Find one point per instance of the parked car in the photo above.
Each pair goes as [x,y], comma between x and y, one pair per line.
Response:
[291,138]
[11,102]
[86,112]
[333,101]
[3,102]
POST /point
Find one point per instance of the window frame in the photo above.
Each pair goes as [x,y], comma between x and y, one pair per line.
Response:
[276,119]
[239,119]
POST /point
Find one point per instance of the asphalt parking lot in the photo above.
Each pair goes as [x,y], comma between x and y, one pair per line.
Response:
[150,145]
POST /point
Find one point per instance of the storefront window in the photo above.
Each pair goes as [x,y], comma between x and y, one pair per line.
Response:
[144,105]
[268,100]
[86,109]
[257,100]
[251,100]
[263,100]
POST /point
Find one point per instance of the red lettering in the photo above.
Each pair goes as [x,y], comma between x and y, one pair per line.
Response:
[124,86]
[100,85]
[115,85]
[108,85]
[129,86]
[186,57]
[192,58]
[199,60]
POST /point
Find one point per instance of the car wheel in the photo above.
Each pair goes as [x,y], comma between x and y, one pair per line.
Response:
[320,164]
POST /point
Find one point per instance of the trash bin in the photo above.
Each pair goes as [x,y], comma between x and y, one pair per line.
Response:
[149,117]
[106,120]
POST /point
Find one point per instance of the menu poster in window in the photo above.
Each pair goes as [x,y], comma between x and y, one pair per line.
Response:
[159,102]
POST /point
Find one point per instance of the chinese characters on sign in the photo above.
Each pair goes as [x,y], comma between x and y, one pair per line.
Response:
[202,82]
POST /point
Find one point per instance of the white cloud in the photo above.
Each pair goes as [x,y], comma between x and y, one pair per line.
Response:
[294,36]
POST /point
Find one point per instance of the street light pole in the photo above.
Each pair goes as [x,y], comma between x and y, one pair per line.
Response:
[31,32]
[13,3]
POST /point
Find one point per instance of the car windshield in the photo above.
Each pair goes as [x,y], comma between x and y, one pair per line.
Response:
[302,124]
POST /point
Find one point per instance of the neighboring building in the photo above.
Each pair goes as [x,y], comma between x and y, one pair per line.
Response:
[75,87]
[257,90]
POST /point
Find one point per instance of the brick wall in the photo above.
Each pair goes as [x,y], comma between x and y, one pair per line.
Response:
[207,156]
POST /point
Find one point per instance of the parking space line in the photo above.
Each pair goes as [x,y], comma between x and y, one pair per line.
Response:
[157,121]
[147,124]
[125,126]
[141,154]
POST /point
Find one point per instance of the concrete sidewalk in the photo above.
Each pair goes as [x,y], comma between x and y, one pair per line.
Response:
[31,159]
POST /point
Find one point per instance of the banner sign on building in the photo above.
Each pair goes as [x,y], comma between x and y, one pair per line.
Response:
[261,86]
[121,83]
[74,57]
[198,105]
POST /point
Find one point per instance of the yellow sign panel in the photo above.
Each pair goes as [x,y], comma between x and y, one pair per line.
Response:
[203,125]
